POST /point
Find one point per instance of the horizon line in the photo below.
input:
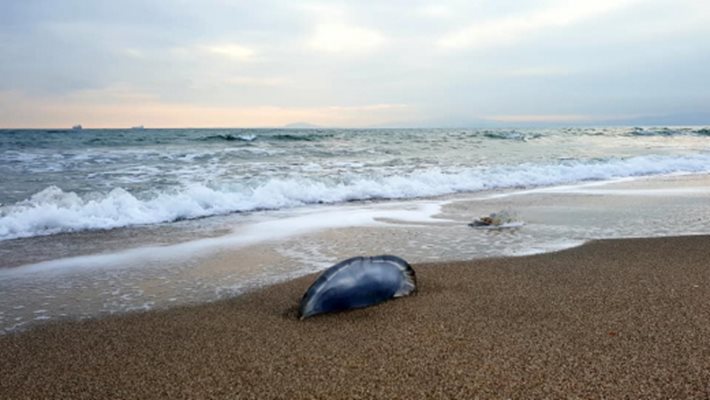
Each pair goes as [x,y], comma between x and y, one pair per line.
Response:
[315,127]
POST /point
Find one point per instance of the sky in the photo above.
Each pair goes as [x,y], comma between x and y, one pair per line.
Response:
[369,63]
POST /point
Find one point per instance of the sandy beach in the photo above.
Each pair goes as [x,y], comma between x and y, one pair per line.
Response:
[612,319]
[174,178]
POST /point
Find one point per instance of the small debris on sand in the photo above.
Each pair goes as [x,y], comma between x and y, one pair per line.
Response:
[500,219]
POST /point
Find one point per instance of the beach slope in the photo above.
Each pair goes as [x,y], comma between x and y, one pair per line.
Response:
[612,318]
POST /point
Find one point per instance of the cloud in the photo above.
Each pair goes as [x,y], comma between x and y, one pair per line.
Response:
[132,52]
[435,11]
[255,81]
[532,71]
[309,58]
[334,37]
[233,51]
[510,30]
[335,33]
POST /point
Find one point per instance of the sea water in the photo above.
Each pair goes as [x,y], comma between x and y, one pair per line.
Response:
[73,181]
[78,207]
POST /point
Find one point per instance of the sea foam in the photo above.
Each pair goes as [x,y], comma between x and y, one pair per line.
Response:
[53,210]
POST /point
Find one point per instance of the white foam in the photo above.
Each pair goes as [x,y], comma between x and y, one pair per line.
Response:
[546,248]
[52,210]
[275,229]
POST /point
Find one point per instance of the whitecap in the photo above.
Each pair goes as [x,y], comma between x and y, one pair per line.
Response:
[53,210]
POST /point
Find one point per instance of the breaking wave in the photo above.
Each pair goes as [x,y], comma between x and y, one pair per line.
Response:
[310,137]
[665,131]
[510,135]
[53,210]
[229,138]
[288,137]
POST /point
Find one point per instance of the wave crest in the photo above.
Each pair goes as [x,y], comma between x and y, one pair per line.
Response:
[666,131]
[229,138]
[53,211]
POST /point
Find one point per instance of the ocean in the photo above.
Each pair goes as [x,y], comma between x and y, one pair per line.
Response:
[77,207]
[73,181]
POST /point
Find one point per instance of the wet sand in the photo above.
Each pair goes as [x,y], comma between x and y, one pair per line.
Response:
[275,246]
[611,319]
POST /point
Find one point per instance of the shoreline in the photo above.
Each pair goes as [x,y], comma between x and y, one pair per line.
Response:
[222,231]
[611,318]
[264,250]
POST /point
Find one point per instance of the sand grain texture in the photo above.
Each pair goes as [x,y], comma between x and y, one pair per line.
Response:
[610,319]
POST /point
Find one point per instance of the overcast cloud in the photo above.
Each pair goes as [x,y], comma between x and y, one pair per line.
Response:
[352,64]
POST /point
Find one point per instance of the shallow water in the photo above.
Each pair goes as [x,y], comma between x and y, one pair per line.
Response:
[247,251]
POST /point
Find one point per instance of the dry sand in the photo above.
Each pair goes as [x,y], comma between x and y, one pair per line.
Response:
[618,318]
